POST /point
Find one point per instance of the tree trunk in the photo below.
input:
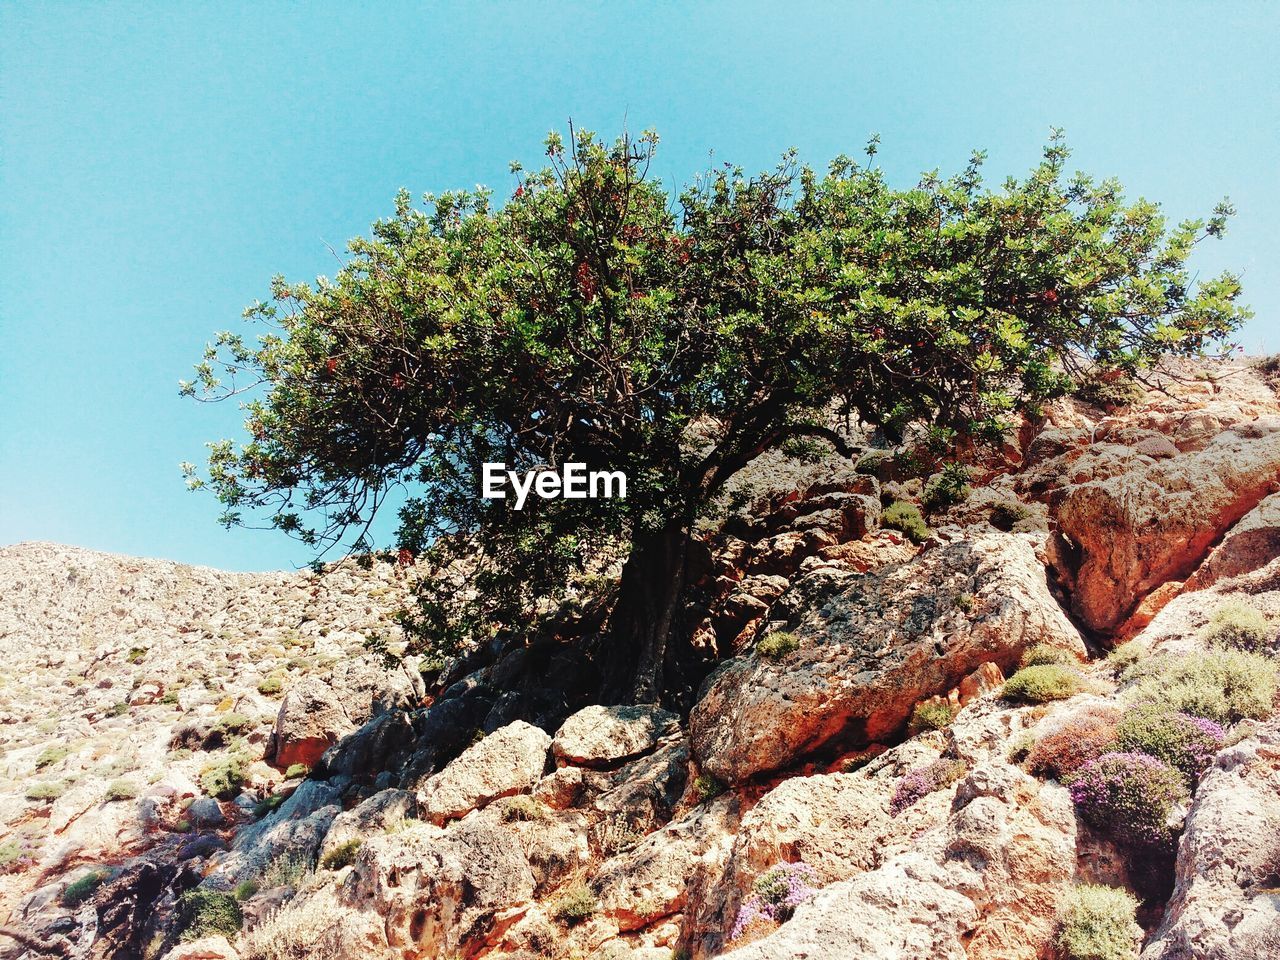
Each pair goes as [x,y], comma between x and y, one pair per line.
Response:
[649,596]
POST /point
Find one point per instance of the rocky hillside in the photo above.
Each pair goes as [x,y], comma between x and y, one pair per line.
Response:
[1039,721]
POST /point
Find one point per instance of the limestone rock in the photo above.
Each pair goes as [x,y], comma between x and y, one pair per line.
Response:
[206,948]
[311,719]
[600,736]
[1154,521]
[507,761]
[873,645]
[984,888]
[1224,904]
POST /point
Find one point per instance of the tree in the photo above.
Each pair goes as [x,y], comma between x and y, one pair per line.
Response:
[593,318]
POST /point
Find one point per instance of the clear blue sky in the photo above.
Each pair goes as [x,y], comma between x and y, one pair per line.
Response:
[161,161]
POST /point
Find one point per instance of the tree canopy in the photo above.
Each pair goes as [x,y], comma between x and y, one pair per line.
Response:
[593,317]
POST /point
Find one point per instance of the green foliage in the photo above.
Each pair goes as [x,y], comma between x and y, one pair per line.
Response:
[1127,655]
[268,804]
[296,770]
[246,890]
[233,724]
[523,808]
[45,791]
[706,787]
[137,654]
[1008,513]
[1041,684]
[78,891]
[204,913]
[575,903]
[288,870]
[54,753]
[10,853]
[930,715]
[1042,654]
[1184,742]
[591,317]
[1220,685]
[905,518]
[1240,626]
[776,644]
[1097,923]
[222,779]
[342,855]
[269,686]
[949,487]
[1109,389]
[122,790]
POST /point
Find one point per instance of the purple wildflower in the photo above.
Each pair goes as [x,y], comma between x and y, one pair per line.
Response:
[923,781]
[1129,794]
[778,892]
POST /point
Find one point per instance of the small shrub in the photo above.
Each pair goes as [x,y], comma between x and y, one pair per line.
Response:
[234,724]
[1043,655]
[949,487]
[930,715]
[1126,656]
[223,779]
[1130,795]
[204,913]
[1043,683]
[342,855]
[1020,747]
[44,791]
[122,790]
[523,808]
[1184,742]
[1222,685]
[1097,923]
[706,787]
[965,601]
[296,770]
[614,835]
[52,754]
[1082,738]
[777,644]
[776,894]
[270,685]
[246,890]
[81,890]
[905,518]
[922,781]
[137,654]
[287,871]
[1008,514]
[575,904]
[119,709]
[1239,626]
[1109,389]
[268,804]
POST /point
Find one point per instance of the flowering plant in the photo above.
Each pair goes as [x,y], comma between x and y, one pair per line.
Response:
[777,894]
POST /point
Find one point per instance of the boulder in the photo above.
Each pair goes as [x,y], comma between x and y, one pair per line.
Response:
[985,887]
[206,812]
[507,761]
[206,948]
[601,736]
[1250,545]
[380,812]
[872,646]
[311,719]
[1224,904]
[1154,521]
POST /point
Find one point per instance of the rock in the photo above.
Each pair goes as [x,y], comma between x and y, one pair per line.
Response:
[1250,545]
[653,879]
[1154,521]
[206,812]
[1224,904]
[600,736]
[438,892]
[311,719]
[985,887]
[389,808]
[874,645]
[507,761]
[206,948]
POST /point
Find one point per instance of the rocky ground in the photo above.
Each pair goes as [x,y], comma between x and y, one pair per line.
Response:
[904,750]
